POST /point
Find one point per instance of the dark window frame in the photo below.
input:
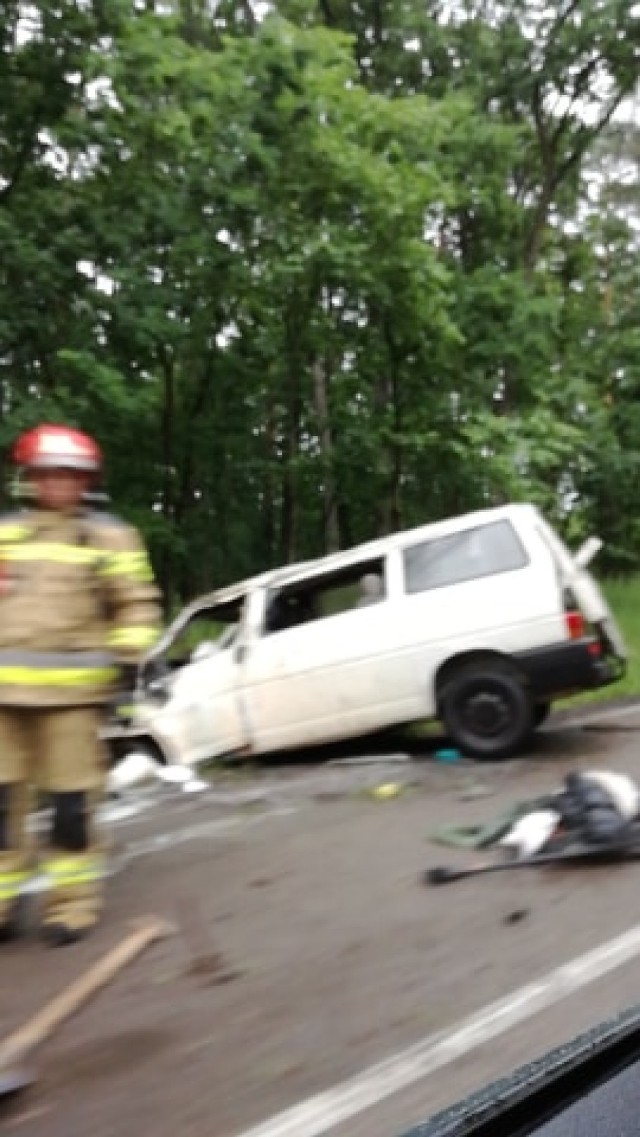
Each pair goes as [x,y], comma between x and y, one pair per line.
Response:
[322,584]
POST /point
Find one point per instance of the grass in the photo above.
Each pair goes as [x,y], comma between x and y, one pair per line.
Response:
[623,597]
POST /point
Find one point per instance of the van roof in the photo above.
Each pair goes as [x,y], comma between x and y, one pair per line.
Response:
[333,562]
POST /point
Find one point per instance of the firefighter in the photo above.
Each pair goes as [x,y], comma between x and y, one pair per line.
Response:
[78,607]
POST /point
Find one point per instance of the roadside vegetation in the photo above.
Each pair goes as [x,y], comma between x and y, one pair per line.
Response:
[624,600]
[623,596]
[314,272]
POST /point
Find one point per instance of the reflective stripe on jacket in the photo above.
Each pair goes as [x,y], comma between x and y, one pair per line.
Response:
[68,871]
[77,598]
[11,884]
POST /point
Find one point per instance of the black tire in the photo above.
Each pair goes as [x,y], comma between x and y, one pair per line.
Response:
[541,712]
[487,711]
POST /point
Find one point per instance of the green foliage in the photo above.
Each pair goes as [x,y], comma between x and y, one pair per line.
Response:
[623,596]
[320,274]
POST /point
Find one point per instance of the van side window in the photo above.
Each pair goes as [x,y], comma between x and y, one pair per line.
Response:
[482,551]
[357,586]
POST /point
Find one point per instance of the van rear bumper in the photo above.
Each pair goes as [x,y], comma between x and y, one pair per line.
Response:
[562,669]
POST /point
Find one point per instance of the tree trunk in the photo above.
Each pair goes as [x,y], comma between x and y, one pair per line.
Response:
[331,524]
[392,504]
[289,516]
[268,504]
[166,567]
[536,232]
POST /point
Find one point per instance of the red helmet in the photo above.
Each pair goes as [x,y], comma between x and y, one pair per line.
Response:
[50,447]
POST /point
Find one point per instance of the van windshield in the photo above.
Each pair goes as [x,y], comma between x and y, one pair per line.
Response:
[208,631]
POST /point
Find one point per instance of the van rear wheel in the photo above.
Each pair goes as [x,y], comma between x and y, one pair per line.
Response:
[487,711]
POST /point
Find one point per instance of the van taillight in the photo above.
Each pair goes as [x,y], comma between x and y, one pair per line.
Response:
[574,623]
[573,618]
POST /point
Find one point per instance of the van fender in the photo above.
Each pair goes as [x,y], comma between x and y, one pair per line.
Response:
[476,657]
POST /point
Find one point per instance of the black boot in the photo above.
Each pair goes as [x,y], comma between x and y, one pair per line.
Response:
[14,923]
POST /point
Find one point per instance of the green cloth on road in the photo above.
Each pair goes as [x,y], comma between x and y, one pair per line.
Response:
[489,833]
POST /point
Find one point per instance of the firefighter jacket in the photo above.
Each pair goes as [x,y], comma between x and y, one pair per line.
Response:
[77,599]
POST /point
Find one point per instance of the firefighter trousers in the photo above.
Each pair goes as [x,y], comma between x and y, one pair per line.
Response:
[55,750]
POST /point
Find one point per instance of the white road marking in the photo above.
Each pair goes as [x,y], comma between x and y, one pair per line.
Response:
[118,812]
[202,830]
[321,1113]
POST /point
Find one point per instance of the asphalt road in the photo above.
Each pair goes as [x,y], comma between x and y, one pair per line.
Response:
[311,970]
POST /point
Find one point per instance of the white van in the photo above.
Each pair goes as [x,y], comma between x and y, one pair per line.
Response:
[480,621]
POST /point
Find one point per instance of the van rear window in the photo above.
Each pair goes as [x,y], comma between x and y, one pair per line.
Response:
[472,553]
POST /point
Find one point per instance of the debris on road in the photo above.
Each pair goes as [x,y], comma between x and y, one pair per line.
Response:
[387,790]
[372,760]
[448,755]
[140,768]
[485,834]
[595,817]
[516,916]
[579,853]
[182,776]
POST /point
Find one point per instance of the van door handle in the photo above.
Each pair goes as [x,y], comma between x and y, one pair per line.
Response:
[240,652]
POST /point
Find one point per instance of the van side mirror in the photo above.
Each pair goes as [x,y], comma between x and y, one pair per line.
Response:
[587,552]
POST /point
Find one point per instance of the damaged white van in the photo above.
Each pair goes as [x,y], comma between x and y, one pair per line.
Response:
[480,621]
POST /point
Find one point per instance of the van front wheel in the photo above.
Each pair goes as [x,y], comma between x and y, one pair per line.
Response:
[486,711]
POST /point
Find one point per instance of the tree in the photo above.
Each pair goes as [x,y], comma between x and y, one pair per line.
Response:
[46,64]
[319,274]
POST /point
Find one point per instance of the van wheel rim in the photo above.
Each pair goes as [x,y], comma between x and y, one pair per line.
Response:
[487,714]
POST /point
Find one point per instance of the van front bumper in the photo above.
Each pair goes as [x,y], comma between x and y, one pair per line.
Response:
[563,669]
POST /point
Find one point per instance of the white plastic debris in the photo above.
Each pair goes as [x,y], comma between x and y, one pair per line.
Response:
[138,767]
[181,776]
[195,786]
[531,833]
[175,775]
